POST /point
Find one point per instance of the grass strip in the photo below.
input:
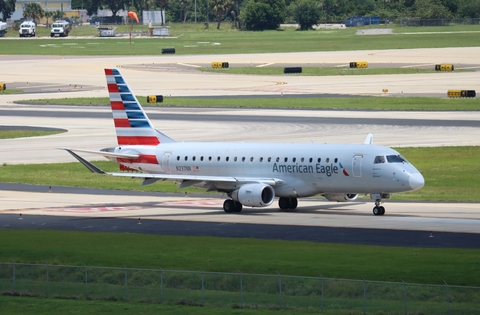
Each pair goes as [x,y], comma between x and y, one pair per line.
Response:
[11,134]
[450,175]
[343,103]
[195,39]
[321,71]
[28,305]
[414,265]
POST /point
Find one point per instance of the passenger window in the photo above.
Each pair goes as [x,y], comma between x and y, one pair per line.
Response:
[327,160]
[336,160]
[269,159]
[251,159]
[201,158]
[178,158]
[278,159]
[302,160]
[286,160]
[235,159]
[310,160]
[209,158]
[261,159]
[227,158]
[193,158]
[319,160]
[186,158]
[294,159]
[379,159]
[218,158]
[243,159]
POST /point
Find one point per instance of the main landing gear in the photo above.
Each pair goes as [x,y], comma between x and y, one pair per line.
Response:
[378,209]
[231,205]
[287,203]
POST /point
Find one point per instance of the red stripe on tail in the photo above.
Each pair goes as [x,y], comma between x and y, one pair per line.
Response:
[122,122]
[112,88]
[117,105]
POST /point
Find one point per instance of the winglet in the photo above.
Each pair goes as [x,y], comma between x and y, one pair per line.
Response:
[369,139]
[87,164]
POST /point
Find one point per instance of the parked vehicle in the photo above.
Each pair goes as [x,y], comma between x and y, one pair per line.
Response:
[3,29]
[27,28]
[60,28]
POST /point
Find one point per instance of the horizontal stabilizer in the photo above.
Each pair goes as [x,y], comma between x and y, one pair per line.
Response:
[105,153]
[87,164]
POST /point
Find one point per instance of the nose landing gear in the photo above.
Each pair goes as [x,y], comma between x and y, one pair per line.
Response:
[378,209]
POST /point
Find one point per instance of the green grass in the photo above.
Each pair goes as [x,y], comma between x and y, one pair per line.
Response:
[25,305]
[352,103]
[441,168]
[194,39]
[451,175]
[11,91]
[415,265]
[322,71]
[10,134]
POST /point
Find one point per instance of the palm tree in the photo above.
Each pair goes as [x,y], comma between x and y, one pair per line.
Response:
[58,15]
[33,11]
[220,7]
[48,14]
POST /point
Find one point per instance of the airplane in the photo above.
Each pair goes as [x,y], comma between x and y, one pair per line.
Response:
[250,174]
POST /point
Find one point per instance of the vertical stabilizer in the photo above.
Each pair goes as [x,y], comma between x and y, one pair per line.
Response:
[131,122]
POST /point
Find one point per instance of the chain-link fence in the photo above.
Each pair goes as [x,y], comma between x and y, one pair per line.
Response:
[235,289]
[412,21]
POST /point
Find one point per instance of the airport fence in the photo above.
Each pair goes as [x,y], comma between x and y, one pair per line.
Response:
[414,21]
[239,290]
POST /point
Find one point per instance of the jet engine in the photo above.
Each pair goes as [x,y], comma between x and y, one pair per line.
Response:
[254,195]
[341,197]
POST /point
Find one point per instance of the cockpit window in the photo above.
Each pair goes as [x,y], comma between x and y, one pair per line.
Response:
[379,159]
[396,159]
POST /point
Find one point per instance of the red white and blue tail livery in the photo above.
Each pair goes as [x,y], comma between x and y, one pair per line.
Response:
[131,122]
[251,174]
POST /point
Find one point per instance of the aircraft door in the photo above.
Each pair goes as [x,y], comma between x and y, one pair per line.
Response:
[357,165]
[166,162]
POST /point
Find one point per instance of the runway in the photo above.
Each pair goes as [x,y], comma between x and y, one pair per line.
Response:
[415,224]
[405,224]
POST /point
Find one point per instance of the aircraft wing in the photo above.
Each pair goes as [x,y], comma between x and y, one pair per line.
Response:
[206,178]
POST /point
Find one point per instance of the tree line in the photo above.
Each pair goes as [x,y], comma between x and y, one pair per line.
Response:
[269,14]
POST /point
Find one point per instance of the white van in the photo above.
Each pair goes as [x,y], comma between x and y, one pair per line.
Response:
[27,28]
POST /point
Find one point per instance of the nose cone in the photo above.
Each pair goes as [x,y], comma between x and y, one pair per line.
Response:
[416,181]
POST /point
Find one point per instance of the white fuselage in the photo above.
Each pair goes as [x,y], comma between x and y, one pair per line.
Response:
[306,169]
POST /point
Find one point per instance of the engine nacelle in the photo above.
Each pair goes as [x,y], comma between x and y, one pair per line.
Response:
[254,195]
[341,197]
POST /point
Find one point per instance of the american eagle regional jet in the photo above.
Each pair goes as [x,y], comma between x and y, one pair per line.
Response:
[251,174]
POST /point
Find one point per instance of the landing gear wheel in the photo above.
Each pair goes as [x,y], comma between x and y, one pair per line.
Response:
[292,203]
[283,203]
[378,210]
[287,203]
[228,205]
[382,210]
[238,207]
